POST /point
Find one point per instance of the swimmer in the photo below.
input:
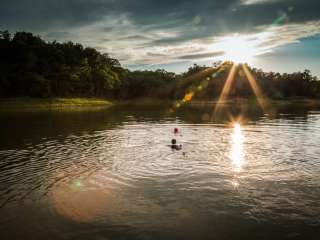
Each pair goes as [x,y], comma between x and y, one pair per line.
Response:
[174,145]
[176,131]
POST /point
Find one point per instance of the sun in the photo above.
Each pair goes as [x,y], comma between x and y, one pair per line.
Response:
[239,49]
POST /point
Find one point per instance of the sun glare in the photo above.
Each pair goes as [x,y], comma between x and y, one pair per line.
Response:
[239,49]
[236,153]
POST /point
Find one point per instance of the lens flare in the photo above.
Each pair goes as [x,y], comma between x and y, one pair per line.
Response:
[81,198]
[193,90]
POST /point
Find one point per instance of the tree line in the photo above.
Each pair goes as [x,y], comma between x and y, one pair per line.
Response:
[32,67]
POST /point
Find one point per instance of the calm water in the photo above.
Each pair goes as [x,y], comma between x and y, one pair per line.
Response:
[110,174]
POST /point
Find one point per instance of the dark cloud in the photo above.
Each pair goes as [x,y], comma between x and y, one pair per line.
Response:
[134,37]
[143,24]
[108,28]
[216,15]
[58,35]
[201,55]
[44,14]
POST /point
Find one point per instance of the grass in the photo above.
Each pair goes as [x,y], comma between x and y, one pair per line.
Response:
[79,104]
[52,103]
[144,102]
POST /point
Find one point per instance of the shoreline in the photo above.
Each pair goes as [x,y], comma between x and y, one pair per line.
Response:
[78,104]
[254,101]
[35,104]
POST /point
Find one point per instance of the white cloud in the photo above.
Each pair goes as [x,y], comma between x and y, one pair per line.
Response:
[287,34]
[133,44]
[249,2]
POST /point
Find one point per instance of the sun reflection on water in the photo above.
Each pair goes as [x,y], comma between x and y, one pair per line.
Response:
[236,154]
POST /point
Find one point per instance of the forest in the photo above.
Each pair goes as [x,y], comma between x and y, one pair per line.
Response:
[33,67]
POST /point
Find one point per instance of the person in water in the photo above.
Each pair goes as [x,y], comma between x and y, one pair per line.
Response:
[174,145]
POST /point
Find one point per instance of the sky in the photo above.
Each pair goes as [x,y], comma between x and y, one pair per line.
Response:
[275,35]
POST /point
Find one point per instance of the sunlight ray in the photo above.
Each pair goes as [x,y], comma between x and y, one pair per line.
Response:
[255,88]
[226,88]
[206,75]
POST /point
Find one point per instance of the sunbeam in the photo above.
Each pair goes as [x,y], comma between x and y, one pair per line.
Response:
[255,88]
[206,75]
[226,88]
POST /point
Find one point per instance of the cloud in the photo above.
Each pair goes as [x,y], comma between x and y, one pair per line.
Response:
[43,14]
[147,31]
[201,55]
[134,38]
[249,2]
[290,33]
[62,35]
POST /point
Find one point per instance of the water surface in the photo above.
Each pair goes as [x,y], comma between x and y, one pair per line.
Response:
[110,174]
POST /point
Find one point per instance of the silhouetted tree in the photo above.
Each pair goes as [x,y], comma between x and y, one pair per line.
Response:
[32,67]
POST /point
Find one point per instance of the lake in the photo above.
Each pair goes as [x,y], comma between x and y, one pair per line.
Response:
[111,174]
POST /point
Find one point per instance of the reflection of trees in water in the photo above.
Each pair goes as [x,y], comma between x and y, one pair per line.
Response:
[200,113]
[36,126]
[19,128]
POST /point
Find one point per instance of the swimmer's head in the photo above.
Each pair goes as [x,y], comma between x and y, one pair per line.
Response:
[176,130]
[174,142]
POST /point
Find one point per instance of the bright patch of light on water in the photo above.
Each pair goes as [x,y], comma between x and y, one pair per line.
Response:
[236,154]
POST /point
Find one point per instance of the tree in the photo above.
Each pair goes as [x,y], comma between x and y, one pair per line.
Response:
[32,67]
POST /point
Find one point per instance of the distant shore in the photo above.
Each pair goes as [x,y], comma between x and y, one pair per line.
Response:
[52,104]
[20,104]
[254,101]
[232,101]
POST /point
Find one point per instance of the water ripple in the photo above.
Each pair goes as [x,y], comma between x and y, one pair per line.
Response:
[129,175]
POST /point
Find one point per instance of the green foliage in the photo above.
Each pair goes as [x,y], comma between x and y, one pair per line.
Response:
[45,104]
[208,83]
[35,68]
[39,86]
[31,67]
[155,84]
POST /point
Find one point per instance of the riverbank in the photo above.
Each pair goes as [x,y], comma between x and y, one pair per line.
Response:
[254,102]
[52,104]
[233,101]
[79,104]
